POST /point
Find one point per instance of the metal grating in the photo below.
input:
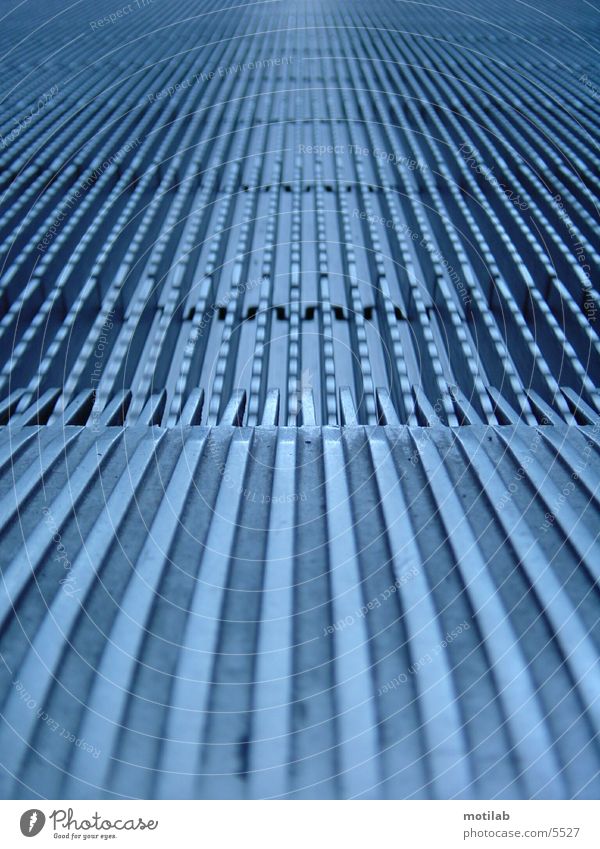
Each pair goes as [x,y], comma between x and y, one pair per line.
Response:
[299,429]
[236,612]
[173,218]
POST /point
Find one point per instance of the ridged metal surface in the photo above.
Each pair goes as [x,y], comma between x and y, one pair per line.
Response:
[174,218]
[299,418]
[301,612]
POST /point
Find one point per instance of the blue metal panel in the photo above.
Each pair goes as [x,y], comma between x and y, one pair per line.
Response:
[299,417]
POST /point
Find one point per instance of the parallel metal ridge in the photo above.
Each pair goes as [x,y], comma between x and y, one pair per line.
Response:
[300,612]
[294,195]
[299,411]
